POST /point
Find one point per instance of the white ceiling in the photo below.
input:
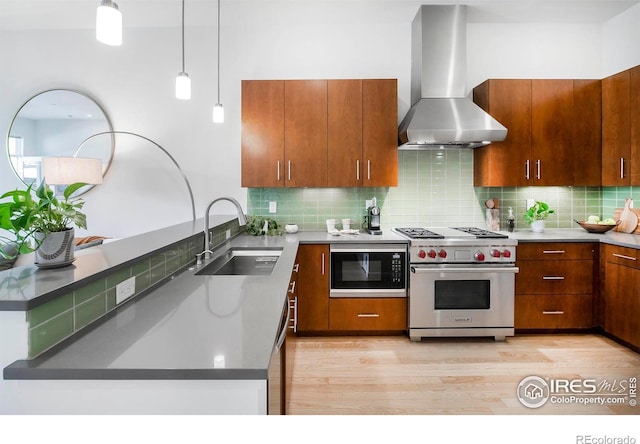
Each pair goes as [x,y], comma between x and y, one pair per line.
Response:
[70,14]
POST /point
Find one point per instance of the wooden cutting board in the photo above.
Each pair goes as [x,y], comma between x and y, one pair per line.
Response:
[628,218]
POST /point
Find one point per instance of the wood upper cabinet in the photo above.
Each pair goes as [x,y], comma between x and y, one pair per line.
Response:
[504,163]
[313,288]
[380,132]
[305,133]
[621,128]
[345,133]
[319,133]
[543,138]
[262,133]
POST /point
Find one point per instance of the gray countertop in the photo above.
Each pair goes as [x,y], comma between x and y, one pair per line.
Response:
[211,327]
[192,327]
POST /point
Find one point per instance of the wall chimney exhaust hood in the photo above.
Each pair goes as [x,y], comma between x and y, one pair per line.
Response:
[442,116]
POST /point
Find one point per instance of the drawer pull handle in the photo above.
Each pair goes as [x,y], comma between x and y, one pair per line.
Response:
[553,252]
[368,315]
[296,268]
[553,278]
[292,289]
[622,256]
[555,312]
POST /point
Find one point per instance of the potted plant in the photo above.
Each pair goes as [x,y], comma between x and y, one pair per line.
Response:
[536,215]
[45,222]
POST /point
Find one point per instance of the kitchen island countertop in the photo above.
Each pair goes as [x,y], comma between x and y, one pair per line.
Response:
[576,235]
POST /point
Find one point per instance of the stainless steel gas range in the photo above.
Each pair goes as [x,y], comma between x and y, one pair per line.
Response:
[461,282]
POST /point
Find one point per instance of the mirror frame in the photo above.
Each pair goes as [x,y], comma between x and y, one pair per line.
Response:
[77,149]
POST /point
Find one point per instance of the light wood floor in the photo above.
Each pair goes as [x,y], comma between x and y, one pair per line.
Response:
[394,376]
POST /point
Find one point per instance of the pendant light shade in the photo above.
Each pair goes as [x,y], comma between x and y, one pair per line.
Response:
[109,23]
[183,82]
[218,110]
[183,86]
[218,113]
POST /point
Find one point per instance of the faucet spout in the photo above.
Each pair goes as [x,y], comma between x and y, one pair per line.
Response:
[242,220]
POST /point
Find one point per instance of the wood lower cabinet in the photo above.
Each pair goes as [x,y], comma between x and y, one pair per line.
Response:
[368,314]
[555,286]
[621,299]
[319,133]
[313,288]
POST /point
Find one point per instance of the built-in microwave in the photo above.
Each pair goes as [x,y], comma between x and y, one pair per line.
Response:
[368,270]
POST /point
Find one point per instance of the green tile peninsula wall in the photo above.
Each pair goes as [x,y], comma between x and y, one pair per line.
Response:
[57,320]
[613,197]
[435,189]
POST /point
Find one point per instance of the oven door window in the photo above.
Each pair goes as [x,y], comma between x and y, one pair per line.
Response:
[463,295]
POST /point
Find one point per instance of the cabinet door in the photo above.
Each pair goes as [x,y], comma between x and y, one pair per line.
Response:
[616,136]
[505,163]
[305,133]
[622,302]
[552,117]
[345,133]
[634,122]
[380,132]
[587,133]
[313,288]
[262,133]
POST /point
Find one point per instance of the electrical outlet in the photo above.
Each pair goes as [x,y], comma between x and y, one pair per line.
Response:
[125,289]
[273,207]
[368,204]
[227,234]
[530,203]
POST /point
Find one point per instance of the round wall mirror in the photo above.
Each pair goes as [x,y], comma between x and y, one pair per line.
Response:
[55,123]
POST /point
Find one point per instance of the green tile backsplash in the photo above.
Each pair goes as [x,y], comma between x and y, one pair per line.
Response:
[435,189]
[54,321]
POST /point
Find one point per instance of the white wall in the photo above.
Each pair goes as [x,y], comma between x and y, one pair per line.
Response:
[260,39]
[620,42]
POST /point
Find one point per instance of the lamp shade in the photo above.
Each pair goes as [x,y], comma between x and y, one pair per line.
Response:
[218,113]
[109,23]
[183,86]
[68,170]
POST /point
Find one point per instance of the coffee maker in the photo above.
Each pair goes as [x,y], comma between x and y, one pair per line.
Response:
[373,218]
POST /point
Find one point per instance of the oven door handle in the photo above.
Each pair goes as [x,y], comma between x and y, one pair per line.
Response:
[425,270]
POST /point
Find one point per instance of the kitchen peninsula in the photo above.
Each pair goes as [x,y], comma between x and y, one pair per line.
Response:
[192,344]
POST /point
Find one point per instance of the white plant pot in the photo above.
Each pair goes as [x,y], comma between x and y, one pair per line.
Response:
[537,226]
[55,250]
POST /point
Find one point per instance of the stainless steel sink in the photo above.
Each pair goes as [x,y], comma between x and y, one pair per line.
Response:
[240,261]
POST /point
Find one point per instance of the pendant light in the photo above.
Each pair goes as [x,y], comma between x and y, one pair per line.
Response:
[218,110]
[109,23]
[183,82]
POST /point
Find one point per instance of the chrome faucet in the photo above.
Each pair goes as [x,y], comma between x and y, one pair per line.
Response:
[242,220]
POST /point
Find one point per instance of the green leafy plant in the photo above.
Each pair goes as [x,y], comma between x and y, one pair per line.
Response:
[539,211]
[26,212]
[255,226]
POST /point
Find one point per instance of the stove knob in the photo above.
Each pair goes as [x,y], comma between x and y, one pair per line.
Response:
[442,254]
[422,254]
[506,253]
[432,254]
[479,256]
[495,253]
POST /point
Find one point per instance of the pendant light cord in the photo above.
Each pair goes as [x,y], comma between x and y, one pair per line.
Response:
[183,36]
[218,51]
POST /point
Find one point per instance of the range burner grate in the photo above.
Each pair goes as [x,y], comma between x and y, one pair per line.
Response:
[481,233]
[419,233]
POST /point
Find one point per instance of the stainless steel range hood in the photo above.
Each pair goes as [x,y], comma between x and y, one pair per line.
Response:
[442,116]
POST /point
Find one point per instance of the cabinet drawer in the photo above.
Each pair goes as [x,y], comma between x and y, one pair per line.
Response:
[368,314]
[629,257]
[554,251]
[555,277]
[553,311]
